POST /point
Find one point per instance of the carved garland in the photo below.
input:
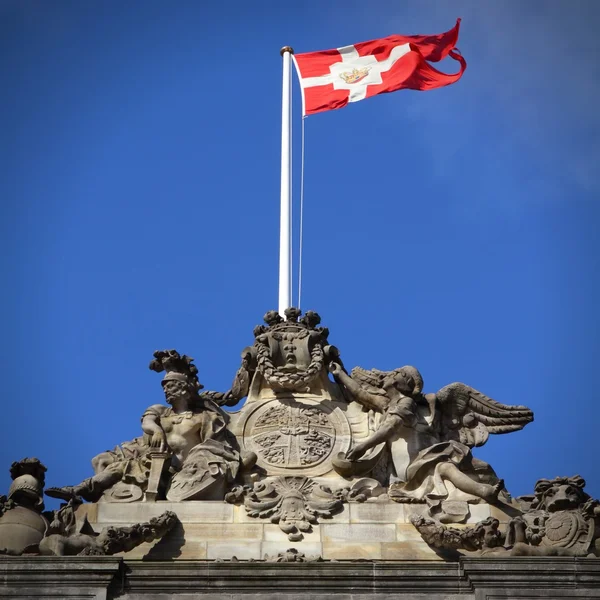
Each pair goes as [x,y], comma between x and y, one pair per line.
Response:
[278,376]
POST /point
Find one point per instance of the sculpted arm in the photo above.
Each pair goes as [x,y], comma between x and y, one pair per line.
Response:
[386,429]
[151,426]
[375,402]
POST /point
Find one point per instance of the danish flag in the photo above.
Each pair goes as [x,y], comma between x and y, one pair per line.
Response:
[331,78]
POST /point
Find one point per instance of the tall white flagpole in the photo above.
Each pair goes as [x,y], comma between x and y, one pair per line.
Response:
[285,234]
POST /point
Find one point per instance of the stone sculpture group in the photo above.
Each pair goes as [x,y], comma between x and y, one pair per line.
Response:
[309,438]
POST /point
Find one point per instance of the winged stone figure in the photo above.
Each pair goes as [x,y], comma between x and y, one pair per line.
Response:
[430,436]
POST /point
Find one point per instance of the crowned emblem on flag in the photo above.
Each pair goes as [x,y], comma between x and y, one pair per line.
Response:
[332,78]
[355,75]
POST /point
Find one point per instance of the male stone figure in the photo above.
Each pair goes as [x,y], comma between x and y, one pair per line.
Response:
[191,422]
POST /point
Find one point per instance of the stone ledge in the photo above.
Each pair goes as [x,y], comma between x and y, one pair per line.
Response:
[54,577]
[532,572]
[301,579]
[65,567]
[490,578]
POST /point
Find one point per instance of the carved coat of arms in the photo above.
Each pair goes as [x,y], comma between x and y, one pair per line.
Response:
[290,435]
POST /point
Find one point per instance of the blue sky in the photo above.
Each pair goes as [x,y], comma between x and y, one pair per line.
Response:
[455,230]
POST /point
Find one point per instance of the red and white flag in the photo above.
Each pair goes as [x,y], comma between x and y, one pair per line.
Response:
[331,78]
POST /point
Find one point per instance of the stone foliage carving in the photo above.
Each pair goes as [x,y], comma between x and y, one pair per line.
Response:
[560,519]
[294,503]
[292,555]
[483,535]
[429,436]
[66,538]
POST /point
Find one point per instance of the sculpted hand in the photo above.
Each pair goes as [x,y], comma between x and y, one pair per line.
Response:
[158,440]
[334,369]
[356,452]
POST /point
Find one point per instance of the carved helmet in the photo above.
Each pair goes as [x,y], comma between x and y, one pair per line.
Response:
[26,487]
[178,367]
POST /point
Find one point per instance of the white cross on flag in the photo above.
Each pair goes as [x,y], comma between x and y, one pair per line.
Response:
[331,78]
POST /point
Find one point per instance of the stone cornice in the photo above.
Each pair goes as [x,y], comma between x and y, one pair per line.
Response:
[463,576]
[111,577]
[57,576]
[293,578]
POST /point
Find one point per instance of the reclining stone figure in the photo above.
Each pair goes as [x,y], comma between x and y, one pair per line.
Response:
[192,431]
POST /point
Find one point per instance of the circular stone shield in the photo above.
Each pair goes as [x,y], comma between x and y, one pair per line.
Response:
[292,436]
[568,529]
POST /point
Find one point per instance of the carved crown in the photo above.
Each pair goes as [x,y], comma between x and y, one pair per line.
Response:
[293,322]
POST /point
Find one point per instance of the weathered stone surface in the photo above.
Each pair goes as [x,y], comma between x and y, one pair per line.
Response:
[273,533]
[504,512]
[187,512]
[408,550]
[169,549]
[479,512]
[226,550]
[367,512]
[241,533]
[273,548]
[368,550]
[365,533]
[405,532]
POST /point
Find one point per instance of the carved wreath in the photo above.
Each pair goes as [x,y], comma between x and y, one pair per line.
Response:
[289,380]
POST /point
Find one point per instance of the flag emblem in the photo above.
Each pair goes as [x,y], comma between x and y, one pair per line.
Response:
[332,78]
[355,75]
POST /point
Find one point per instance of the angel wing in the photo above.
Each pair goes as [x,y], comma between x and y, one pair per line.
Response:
[469,416]
[370,381]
